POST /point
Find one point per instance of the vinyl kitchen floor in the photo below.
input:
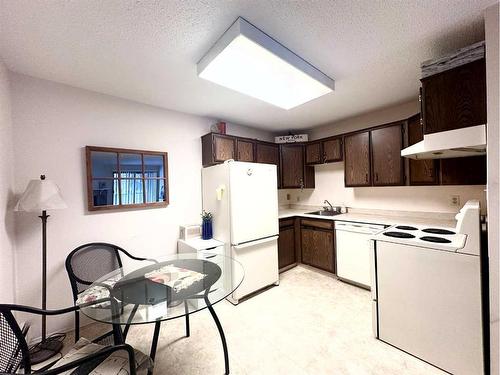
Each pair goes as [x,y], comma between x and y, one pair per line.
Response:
[310,324]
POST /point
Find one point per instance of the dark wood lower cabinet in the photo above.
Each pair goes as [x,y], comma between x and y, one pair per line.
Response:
[286,244]
[317,245]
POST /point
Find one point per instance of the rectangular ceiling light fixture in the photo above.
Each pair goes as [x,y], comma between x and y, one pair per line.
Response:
[247,60]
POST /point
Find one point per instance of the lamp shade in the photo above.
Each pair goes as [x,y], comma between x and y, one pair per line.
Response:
[41,195]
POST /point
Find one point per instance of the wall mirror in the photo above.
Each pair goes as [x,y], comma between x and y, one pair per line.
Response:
[123,178]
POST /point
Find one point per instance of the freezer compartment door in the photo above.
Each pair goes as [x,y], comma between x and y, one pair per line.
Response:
[253,201]
[260,264]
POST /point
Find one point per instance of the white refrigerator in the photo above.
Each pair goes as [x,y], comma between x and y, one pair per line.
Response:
[243,198]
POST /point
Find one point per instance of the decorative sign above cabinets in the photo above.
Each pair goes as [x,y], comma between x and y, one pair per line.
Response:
[291,138]
[122,178]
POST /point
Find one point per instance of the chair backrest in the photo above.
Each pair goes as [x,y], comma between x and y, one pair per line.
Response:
[13,347]
[89,262]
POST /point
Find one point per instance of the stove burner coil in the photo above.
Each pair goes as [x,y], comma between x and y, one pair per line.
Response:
[435,239]
[405,227]
[437,231]
[399,234]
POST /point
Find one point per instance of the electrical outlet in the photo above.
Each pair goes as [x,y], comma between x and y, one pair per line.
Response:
[455,200]
[298,198]
[288,197]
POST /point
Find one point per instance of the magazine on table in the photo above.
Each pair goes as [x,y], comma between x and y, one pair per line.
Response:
[175,277]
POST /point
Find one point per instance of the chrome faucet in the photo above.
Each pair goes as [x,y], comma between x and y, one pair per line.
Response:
[328,208]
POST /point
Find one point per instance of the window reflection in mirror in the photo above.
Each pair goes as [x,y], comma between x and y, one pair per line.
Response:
[118,178]
[104,164]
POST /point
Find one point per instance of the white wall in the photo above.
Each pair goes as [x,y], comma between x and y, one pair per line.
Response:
[52,124]
[330,177]
[244,131]
[493,99]
[366,120]
[6,192]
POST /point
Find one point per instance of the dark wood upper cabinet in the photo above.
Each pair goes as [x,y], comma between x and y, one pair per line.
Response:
[245,150]
[387,162]
[292,166]
[357,159]
[317,244]
[224,148]
[286,243]
[313,153]
[464,171]
[268,153]
[327,150]
[217,148]
[421,172]
[332,149]
[294,173]
[455,98]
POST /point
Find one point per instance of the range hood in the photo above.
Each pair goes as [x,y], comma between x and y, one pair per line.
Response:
[455,143]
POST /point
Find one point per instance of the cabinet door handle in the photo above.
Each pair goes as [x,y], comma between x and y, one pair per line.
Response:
[366,177]
[376,176]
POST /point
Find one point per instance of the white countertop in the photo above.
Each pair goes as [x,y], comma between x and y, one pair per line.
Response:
[402,218]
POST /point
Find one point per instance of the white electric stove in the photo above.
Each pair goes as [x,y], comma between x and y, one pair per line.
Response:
[427,291]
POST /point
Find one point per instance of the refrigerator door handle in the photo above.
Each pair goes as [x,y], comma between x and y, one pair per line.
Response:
[257,242]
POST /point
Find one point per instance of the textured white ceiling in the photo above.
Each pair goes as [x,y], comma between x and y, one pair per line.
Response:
[147,50]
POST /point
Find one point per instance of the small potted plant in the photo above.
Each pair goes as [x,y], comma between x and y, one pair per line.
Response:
[206,225]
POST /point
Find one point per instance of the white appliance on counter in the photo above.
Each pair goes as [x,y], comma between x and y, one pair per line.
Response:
[243,199]
[353,251]
[189,231]
[427,297]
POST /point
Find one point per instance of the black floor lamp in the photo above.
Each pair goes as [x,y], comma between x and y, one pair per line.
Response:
[42,195]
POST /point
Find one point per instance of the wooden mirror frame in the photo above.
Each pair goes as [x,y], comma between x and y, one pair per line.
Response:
[118,151]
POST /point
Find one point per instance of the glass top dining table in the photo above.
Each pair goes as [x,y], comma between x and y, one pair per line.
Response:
[156,289]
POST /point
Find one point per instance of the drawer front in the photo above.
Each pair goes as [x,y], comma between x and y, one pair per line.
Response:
[286,222]
[322,224]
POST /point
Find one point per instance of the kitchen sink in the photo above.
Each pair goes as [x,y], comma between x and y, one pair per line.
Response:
[323,213]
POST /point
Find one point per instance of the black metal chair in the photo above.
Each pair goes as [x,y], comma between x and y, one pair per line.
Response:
[14,352]
[89,262]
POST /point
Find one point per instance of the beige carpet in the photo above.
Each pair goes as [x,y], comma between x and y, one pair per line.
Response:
[310,324]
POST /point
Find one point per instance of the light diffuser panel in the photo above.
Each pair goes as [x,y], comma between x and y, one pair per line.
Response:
[247,60]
